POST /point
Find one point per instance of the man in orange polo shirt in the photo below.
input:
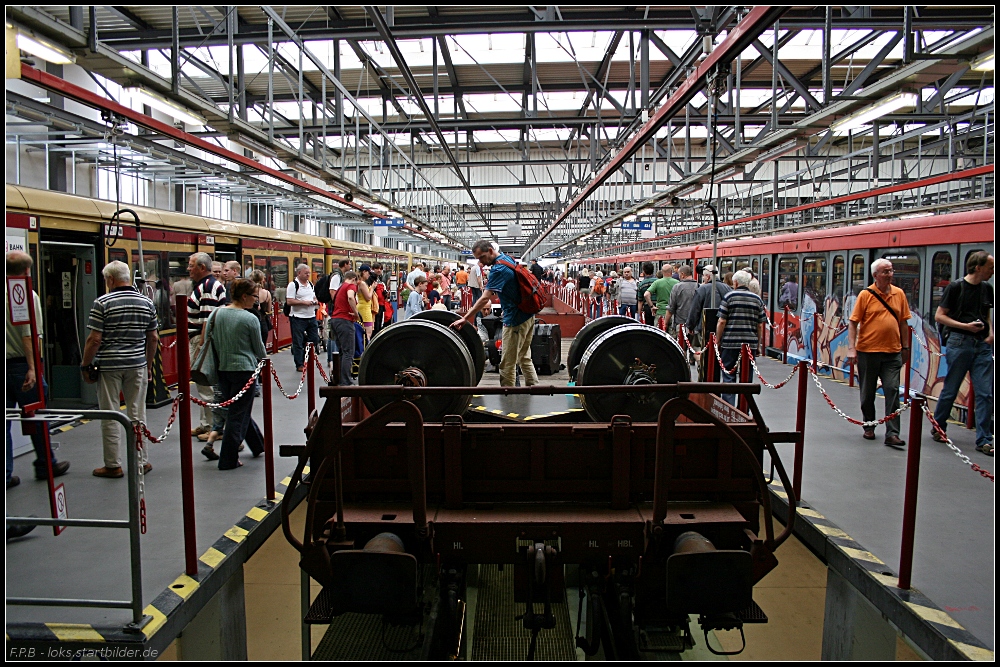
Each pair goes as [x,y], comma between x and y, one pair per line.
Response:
[875,337]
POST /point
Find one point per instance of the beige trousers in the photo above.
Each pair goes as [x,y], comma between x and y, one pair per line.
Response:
[516,351]
[131,382]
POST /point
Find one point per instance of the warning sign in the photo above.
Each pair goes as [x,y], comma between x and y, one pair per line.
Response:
[61,511]
[17,291]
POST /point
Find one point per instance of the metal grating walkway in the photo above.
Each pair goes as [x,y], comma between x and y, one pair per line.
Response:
[498,636]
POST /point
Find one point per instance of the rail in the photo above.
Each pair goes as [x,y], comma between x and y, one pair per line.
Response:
[132,524]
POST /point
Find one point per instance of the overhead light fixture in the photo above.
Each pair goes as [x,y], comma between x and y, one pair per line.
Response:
[251,144]
[304,169]
[872,111]
[166,106]
[44,49]
[984,63]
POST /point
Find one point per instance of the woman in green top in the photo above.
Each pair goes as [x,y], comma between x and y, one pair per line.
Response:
[236,339]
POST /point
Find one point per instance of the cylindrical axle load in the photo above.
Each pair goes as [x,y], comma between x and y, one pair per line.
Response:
[419,353]
[630,354]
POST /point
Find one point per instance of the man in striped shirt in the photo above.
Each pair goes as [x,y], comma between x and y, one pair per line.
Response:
[207,295]
[741,321]
[122,341]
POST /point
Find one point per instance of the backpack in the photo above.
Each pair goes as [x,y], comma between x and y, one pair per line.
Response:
[943,330]
[323,289]
[532,297]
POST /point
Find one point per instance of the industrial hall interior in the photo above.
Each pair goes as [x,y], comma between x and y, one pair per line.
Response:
[500,332]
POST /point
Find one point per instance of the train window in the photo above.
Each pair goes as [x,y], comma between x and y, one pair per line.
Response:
[940,277]
[814,285]
[725,266]
[906,276]
[765,278]
[247,265]
[742,263]
[277,268]
[755,268]
[788,283]
[295,265]
[839,279]
[260,264]
[118,255]
[155,288]
[317,269]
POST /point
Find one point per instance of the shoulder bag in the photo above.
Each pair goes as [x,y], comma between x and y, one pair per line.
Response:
[205,366]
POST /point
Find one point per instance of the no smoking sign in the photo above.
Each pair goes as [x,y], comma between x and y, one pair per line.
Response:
[17,302]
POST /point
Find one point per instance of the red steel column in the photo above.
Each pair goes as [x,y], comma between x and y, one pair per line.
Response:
[311,380]
[906,365]
[268,430]
[970,411]
[800,426]
[815,341]
[184,426]
[784,337]
[710,351]
[744,374]
[850,382]
[910,495]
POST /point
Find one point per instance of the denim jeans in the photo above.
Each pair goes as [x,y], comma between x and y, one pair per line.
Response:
[331,345]
[219,415]
[873,366]
[967,354]
[16,370]
[240,425]
[304,330]
[628,310]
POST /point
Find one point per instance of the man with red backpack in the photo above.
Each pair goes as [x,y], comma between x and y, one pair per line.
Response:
[520,298]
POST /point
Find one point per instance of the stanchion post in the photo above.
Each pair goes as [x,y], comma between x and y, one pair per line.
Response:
[268,430]
[850,381]
[784,337]
[311,380]
[906,366]
[910,495]
[184,428]
[710,365]
[744,373]
[800,426]
[814,342]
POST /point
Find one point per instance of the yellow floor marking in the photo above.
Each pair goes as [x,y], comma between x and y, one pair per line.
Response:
[576,409]
[478,395]
[157,621]
[780,494]
[860,554]
[831,531]
[530,417]
[75,632]
[236,534]
[287,481]
[497,412]
[257,514]
[480,407]
[278,495]
[212,558]
[974,652]
[886,579]
[805,511]
[934,615]
[512,414]
[305,470]
[184,586]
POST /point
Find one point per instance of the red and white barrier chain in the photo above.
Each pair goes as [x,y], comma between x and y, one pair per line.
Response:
[144,430]
[767,384]
[736,368]
[923,343]
[858,422]
[958,452]
[302,380]
[319,365]
[687,341]
[239,394]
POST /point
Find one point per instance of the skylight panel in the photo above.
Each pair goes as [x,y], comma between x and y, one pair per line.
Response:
[486,48]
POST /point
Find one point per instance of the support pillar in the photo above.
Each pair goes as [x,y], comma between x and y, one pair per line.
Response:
[219,631]
[853,629]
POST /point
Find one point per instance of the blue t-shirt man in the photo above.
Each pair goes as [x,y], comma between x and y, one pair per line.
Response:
[503,282]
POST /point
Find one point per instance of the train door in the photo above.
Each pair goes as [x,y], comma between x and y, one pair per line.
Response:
[69,284]
[786,287]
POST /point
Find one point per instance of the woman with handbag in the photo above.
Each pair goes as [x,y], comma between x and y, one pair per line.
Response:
[236,340]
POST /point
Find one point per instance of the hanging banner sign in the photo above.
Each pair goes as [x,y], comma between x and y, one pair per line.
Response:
[637,224]
[389,222]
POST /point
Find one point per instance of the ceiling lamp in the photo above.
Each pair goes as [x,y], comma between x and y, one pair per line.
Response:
[44,49]
[984,63]
[172,109]
[872,111]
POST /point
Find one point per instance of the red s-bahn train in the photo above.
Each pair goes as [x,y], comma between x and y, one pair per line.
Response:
[819,274]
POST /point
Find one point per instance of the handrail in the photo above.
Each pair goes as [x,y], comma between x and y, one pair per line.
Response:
[131,455]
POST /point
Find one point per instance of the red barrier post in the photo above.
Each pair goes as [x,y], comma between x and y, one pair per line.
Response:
[850,382]
[815,341]
[800,426]
[970,410]
[744,374]
[910,495]
[268,430]
[680,336]
[906,366]
[710,365]
[784,337]
[311,380]
[184,427]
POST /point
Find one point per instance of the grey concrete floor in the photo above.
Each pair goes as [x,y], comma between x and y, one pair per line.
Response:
[94,562]
[858,484]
